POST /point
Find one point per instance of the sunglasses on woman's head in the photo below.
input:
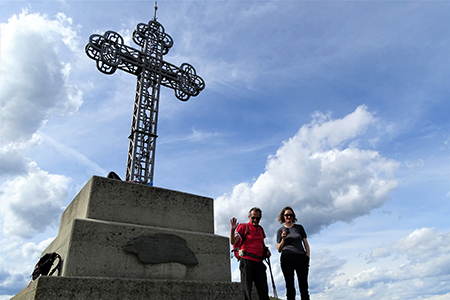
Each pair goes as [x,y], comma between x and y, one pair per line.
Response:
[288,215]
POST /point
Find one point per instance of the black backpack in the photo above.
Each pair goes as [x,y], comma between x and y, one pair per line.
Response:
[44,265]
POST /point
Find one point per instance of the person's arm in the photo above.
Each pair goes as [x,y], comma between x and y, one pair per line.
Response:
[305,242]
[280,245]
[234,237]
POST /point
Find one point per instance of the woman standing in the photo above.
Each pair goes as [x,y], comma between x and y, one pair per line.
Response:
[294,248]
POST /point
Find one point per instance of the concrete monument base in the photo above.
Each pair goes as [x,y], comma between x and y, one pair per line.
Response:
[121,240]
[97,288]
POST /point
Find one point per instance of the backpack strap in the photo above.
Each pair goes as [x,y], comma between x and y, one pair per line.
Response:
[58,266]
[245,234]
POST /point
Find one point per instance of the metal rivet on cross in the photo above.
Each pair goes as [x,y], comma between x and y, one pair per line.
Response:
[110,54]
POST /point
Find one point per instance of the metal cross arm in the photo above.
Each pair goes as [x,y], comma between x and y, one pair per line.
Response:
[110,54]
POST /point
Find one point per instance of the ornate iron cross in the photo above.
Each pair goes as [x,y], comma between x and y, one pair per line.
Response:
[110,54]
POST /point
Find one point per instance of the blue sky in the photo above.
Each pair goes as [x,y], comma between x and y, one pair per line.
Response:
[336,108]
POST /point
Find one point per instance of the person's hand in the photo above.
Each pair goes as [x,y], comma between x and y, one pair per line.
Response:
[283,234]
[233,224]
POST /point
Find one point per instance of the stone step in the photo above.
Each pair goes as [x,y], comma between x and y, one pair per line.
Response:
[96,288]
[99,249]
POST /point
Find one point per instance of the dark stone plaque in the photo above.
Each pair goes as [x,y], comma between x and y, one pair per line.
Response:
[161,248]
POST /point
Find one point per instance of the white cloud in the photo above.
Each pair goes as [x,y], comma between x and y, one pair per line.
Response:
[34,86]
[419,242]
[428,250]
[13,162]
[427,259]
[369,278]
[32,203]
[34,77]
[409,268]
[195,136]
[17,261]
[324,268]
[322,182]
[436,297]
[380,252]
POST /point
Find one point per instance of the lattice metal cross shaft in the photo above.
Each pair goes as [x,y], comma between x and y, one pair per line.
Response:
[110,54]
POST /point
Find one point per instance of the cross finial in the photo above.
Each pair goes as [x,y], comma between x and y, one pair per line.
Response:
[156,8]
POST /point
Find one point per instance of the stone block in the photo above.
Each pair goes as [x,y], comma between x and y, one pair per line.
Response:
[113,200]
[95,288]
[97,250]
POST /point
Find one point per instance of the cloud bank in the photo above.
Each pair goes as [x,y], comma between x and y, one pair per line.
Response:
[321,173]
[426,251]
[34,76]
[35,86]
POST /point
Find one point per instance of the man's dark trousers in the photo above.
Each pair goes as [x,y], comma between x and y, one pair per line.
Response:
[252,271]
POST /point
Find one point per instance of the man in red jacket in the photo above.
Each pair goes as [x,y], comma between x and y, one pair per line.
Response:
[251,254]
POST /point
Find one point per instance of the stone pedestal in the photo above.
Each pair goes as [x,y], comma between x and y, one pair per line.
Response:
[98,288]
[120,240]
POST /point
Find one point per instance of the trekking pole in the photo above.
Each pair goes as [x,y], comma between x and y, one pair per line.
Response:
[271,276]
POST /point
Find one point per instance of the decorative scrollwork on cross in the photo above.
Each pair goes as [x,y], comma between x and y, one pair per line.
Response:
[110,54]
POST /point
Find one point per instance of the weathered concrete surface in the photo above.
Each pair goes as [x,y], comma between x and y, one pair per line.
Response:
[96,248]
[95,288]
[126,202]
[105,217]
[107,214]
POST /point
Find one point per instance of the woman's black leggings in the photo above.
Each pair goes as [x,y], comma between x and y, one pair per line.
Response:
[300,264]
